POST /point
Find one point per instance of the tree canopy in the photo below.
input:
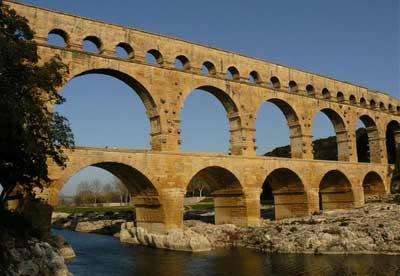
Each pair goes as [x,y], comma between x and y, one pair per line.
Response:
[30,131]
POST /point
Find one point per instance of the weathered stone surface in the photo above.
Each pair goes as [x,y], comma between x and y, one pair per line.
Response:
[179,240]
[63,247]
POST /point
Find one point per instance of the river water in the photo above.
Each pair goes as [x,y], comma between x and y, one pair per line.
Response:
[99,255]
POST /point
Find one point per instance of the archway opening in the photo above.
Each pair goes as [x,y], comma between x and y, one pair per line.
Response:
[340,97]
[154,57]
[57,37]
[103,111]
[368,148]
[283,195]
[232,73]
[310,90]
[110,187]
[326,94]
[208,122]
[182,63]
[92,44]
[392,141]
[208,69]
[124,51]
[352,99]
[330,136]
[373,185]
[222,193]
[335,191]
[254,77]
[274,83]
[293,86]
[277,135]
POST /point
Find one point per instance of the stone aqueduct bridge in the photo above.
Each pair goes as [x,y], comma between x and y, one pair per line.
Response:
[158,178]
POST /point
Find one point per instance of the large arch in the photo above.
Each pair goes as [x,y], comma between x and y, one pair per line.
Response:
[341,139]
[143,93]
[293,124]
[371,152]
[392,141]
[335,191]
[232,113]
[287,190]
[227,192]
[373,185]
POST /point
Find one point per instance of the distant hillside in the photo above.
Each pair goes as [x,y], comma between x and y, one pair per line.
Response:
[326,148]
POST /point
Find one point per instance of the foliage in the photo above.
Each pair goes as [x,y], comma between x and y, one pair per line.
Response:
[30,132]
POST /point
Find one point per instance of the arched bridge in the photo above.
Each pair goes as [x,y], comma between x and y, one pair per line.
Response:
[158,178]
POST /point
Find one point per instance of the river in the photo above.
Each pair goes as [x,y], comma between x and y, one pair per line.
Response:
[99,255]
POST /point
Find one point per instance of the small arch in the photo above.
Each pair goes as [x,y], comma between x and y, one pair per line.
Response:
[222,184]
[352,99]
[340,97]
[58,37]
[372,104]
[275,83]
[154,57]
[363,102]
[335,191]
[326,94]
[310,90]
[293,86]
[392,150]
[124,51]
[232,73]
[182,63]
[254,77]
[398,109]
[382,106]
[390,108]
[373,185]
[284,188]
[92,44]
[208,69]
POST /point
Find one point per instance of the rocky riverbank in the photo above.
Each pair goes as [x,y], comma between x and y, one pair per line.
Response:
[372,229]
[26,255]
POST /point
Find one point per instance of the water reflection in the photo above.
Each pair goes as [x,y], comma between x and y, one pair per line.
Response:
[102,255]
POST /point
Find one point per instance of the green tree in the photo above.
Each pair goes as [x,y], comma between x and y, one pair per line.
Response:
[30,132]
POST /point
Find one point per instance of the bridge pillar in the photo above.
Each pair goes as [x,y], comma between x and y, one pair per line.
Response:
[313,200]
[232,206]
[172,201]
[358,193]
[290,204]
[337,198]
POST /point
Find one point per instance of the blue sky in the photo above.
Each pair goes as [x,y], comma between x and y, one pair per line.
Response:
[355,41]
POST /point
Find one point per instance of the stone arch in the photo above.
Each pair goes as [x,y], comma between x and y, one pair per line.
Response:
[62,34]
[254,77]
[373,184]
[233,73]
[393,141]
[182,63]
[96,41]
[343,152]
[154,57]
[382,106]
[335,191]
[293,123]
[340,97]
[208,68]
[352,99]
[275,83]
[128,49]
[293,87]
[227,192]
[310,90]
[373,139]
[372,104]
[143,93]
[287,189]
[232,112]
[326,94]
[363,102]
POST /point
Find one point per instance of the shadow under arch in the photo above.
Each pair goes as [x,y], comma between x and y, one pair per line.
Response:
[373,151]
[287,192]
[335,191]
[392,134]
[227,192]
[232,113]
[143,93]
[342,140]
[373,185]
[292,120]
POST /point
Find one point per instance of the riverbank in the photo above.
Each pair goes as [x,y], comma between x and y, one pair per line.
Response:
[371,229]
